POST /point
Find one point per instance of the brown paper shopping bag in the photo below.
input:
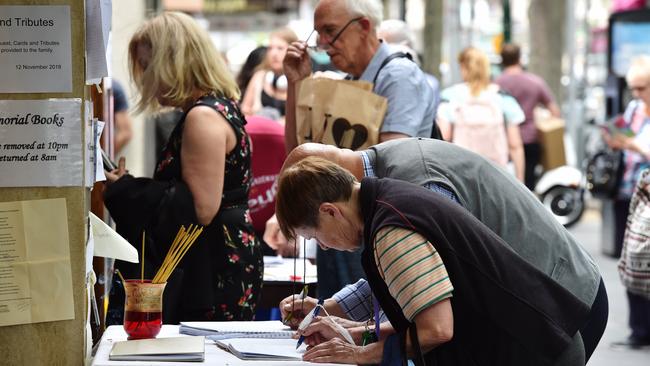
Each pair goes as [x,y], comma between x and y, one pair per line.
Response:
[343,113]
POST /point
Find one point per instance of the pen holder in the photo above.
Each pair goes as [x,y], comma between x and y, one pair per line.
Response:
[143,308]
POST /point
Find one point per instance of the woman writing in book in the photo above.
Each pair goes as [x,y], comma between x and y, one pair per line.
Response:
[636,156]
[203,176]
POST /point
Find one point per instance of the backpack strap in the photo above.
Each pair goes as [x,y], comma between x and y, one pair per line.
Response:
[435,131]
[388,59]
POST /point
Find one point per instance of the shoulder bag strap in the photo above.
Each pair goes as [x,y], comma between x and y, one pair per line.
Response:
[389,59]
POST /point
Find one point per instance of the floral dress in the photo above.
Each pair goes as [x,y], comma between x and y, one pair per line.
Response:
[222,278]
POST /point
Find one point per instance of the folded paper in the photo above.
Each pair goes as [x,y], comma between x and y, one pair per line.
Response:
[109,243]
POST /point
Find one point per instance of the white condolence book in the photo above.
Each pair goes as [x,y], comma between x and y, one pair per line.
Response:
[237,329]
[160,349]
[262,349]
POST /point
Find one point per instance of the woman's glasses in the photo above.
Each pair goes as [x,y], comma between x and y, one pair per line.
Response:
[324,46]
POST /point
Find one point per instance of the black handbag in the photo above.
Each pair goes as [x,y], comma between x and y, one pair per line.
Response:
[604,173]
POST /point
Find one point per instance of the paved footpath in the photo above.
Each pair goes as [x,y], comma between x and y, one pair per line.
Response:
[587,232]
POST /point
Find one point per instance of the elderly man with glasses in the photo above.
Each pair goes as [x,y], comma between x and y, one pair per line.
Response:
[346,30]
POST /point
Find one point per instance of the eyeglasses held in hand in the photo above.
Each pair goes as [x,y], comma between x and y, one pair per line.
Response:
[319,37]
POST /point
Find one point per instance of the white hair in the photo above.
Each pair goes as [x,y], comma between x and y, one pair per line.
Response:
[371,9]
[639,69]
[396,31]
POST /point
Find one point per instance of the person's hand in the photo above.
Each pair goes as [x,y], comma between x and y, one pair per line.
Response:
[334,351]
[297,62]
[289,250]
[273,238]
[297,307]
[620,141]
[323,329]
[347,323]
[116,174]
[614,141]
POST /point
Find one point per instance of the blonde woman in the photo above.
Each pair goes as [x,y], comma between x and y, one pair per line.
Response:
[203,176]
[477,116]
[268,87]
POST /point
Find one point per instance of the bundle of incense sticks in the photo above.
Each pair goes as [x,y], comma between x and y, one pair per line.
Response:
[182,243]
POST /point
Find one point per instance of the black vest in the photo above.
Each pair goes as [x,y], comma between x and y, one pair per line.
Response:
[506,312]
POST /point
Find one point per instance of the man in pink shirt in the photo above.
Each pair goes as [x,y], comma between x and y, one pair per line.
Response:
[530,91]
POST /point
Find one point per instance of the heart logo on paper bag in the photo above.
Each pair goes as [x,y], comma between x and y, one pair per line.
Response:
[348,136]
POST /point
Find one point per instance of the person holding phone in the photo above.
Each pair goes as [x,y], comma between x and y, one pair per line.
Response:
[636,157]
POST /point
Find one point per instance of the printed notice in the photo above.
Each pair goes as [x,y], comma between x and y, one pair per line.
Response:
[35,274]
[41,143]
[35,49]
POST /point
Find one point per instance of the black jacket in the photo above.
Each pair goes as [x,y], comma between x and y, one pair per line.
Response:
[160,208]
[506,312]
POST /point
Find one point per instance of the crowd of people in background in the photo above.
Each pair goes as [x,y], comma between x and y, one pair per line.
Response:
[438,243]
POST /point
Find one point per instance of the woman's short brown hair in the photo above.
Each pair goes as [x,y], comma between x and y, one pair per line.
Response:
[303,187]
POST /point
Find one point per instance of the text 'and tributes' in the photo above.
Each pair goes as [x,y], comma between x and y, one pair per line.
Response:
[35,49]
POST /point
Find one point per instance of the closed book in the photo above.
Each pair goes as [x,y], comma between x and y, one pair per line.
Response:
[159,349]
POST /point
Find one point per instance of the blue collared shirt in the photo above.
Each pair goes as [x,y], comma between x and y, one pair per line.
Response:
[411,100]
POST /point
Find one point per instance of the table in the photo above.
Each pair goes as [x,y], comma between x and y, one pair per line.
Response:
[213,354]
[278,282]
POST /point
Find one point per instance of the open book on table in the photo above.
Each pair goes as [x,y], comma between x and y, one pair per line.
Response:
[262,349]
[160,349]
[237,329]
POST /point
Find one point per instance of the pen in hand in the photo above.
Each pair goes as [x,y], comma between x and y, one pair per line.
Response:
[301,297]
[308,319]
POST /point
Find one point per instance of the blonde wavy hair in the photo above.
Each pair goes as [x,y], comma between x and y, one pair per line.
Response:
[182,60]
[476,65]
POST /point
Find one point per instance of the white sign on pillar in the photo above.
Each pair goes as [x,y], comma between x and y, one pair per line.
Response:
[35,49]
[41,143]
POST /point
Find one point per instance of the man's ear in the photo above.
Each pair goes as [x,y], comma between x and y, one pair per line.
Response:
[365,26]
[365,23]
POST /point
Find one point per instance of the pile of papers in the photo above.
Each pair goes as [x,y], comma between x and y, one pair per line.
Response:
[263,349]
[237,329]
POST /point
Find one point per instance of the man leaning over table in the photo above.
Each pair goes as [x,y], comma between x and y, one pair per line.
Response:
[346,30]
[496,199]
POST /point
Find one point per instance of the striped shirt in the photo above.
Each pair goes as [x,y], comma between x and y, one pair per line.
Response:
[412,269]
